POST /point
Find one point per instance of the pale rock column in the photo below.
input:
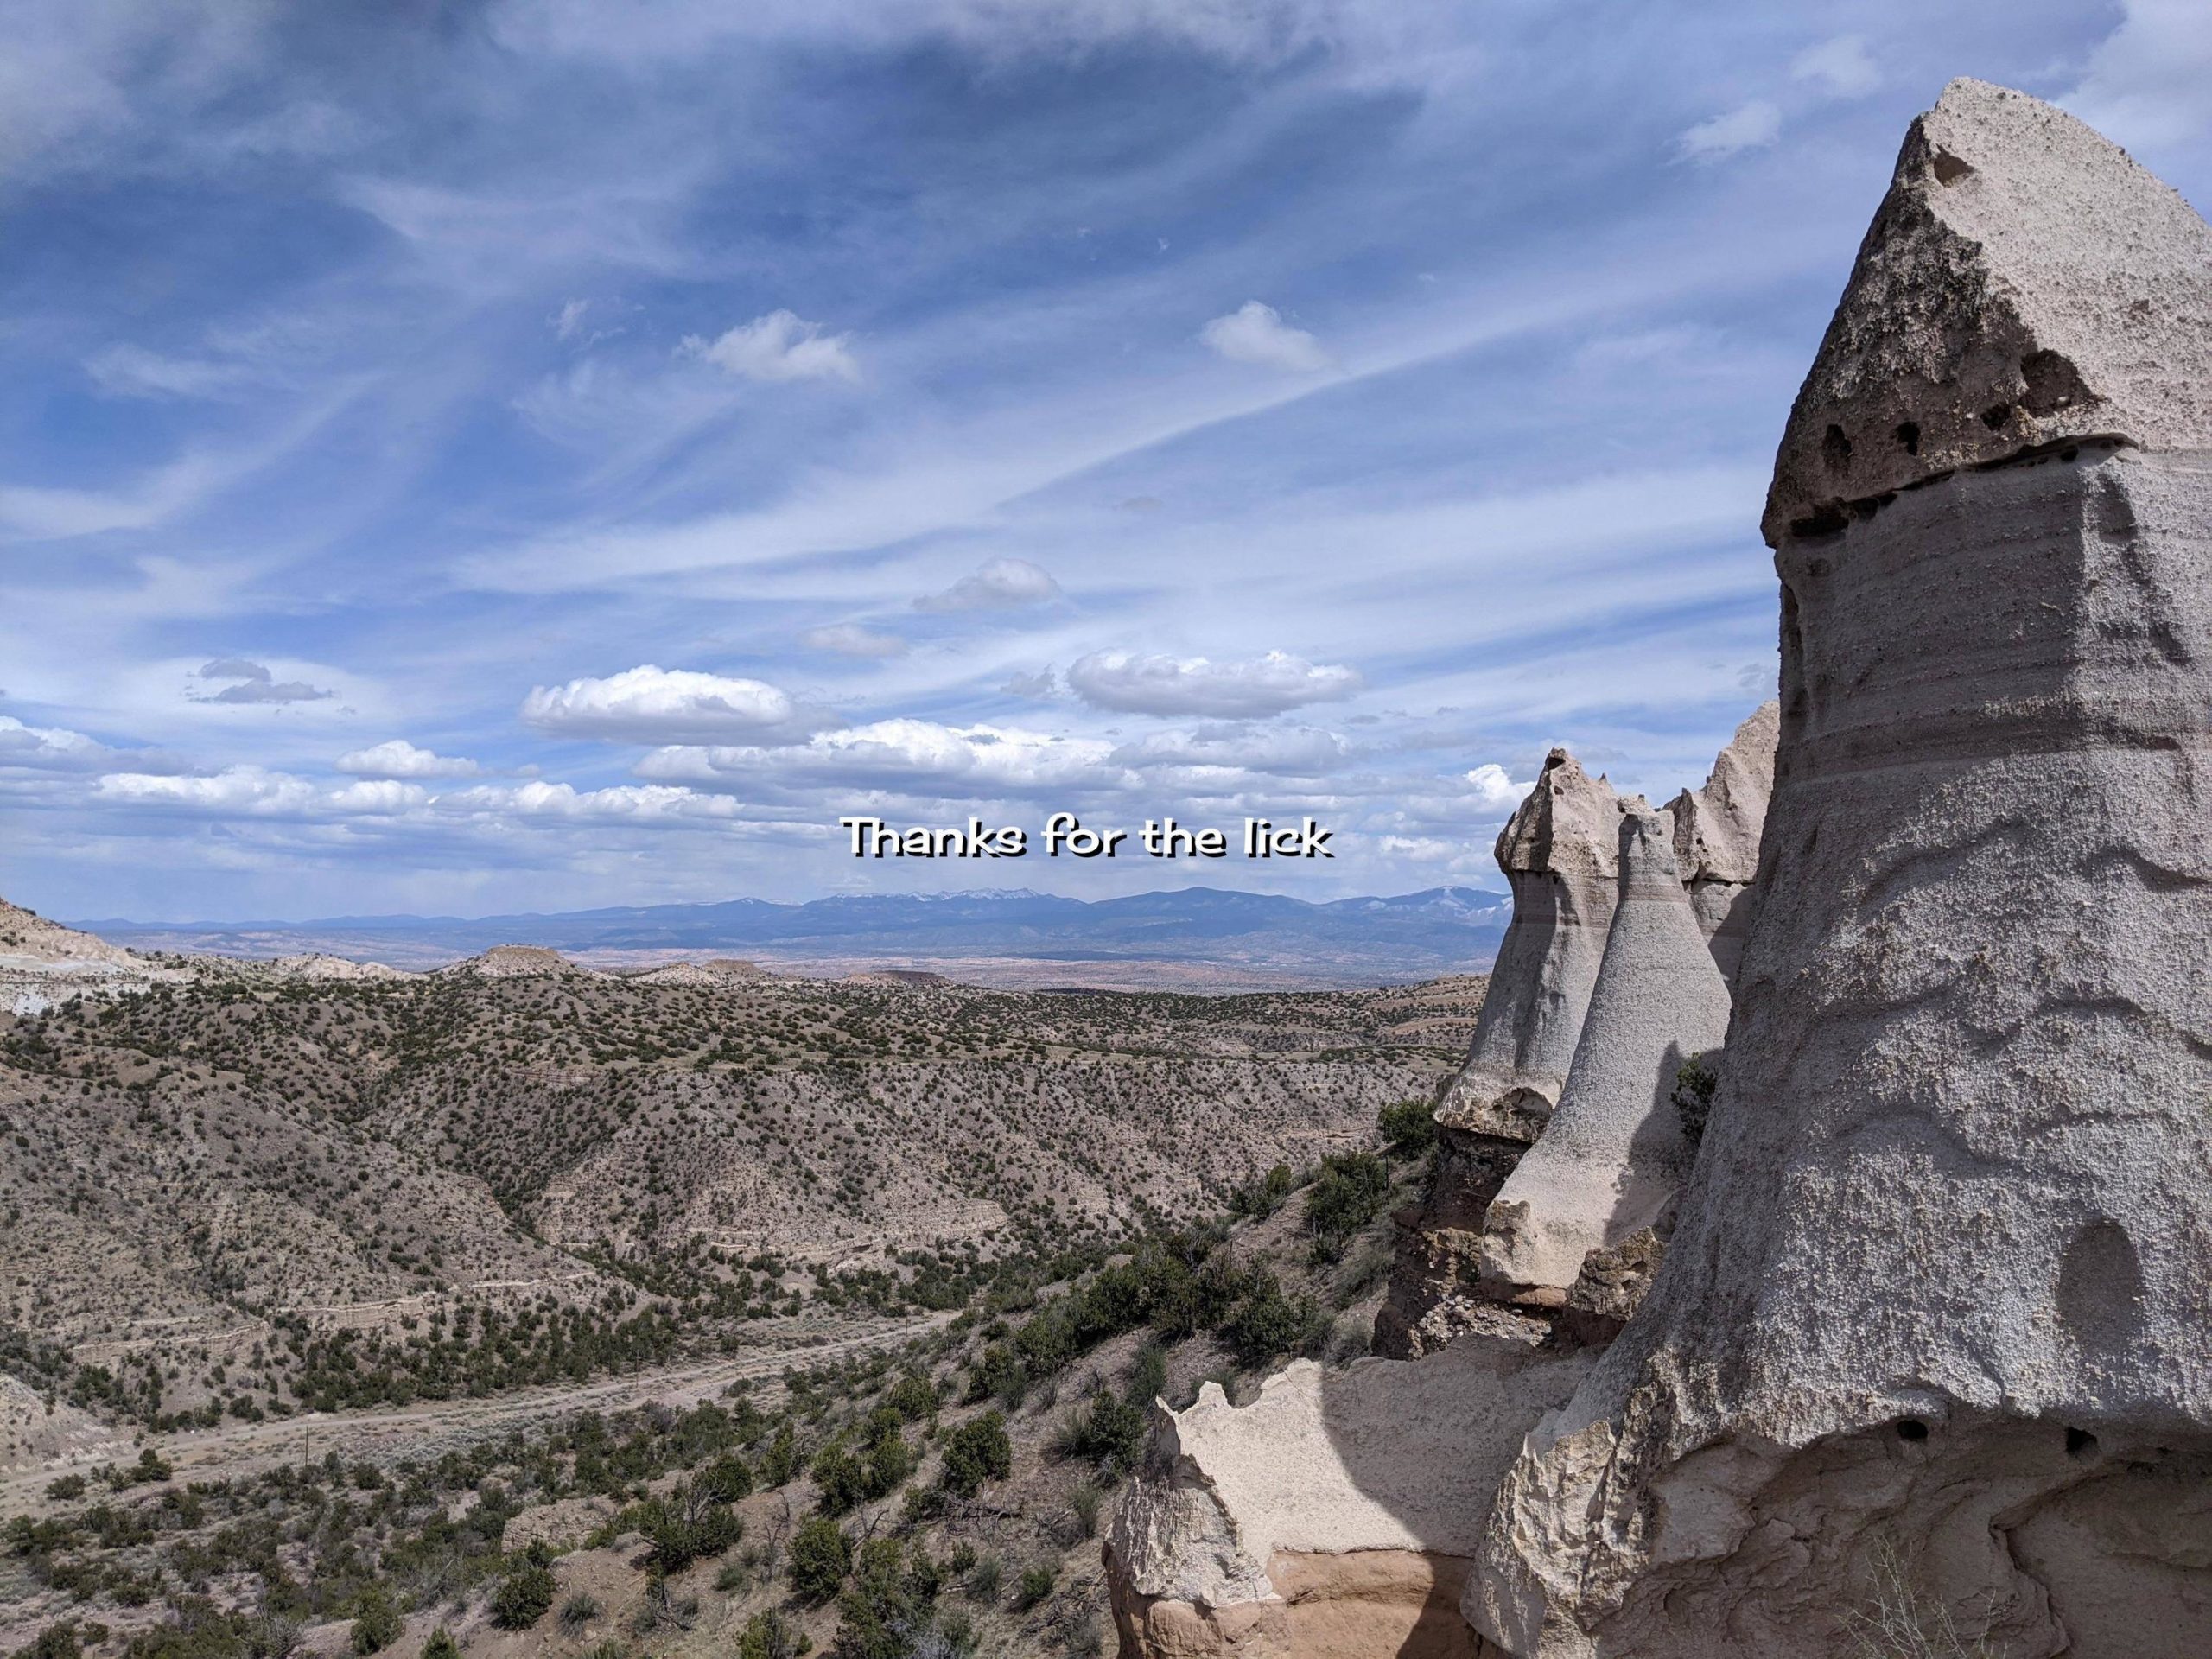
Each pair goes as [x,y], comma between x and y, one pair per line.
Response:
[1615,1152]
[1559,853]
[1937,1312]
[1716,836]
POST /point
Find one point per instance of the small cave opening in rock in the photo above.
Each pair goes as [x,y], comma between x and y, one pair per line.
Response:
[1995,416]
[1912,1428]
[1835,451]
[2080,1443]
[1950,168]
[1909,436]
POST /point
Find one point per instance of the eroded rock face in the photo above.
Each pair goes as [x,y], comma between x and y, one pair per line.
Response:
[1717,831]
[2025,284]
[1560,855]
[1941,1291]
[1615,1152]
[1328,1519]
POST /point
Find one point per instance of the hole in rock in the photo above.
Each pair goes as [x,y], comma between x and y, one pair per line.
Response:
[2053,383]
[1995,418]
[2080,1442]
[1912,1428]
[1950,168]
[1835,450]
[1909,436]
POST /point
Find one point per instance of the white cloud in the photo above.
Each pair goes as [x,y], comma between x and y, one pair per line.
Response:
[2145,81]
[1296,750]
[778,347]
[1194,685]
[1257,334]
[49,748]
[907,754]
[1000,585]
[397,757]
[1035,686]
[1842,66]
[626,803]
[375,797]
[656,705]
[242,790]
[1495,792]
[126,371]
[570,320]
[1753,126]
[850,640]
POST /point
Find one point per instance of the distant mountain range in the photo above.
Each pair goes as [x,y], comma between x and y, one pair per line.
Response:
[1265,937]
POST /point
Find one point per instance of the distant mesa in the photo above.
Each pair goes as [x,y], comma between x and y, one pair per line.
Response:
[717,971]
[318,965]
[517,961]
[896,977]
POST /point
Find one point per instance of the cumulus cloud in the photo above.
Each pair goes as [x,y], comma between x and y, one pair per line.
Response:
[1000,585]
[1753,126]
[1842,67]
[850,640]
[1257,334]
[659,705]
[1494,789]
[48,748]
[235,791]
[1035,686]
[254,683]
[1193,685]
[778,346]
[397,757]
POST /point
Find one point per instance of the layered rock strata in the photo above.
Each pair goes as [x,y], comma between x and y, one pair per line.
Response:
[1614,1154]
[1935,1329]
[1716,836]
[1560,855]
[1330,1515]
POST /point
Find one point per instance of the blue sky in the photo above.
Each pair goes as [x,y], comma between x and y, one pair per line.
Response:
[469,458]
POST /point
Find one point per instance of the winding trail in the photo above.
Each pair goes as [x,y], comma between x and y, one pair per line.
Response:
[427,1428]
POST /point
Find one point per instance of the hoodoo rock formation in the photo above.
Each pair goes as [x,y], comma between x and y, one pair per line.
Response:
[1936,1311]
[1560,856]
[1716,836]
[1615,1152]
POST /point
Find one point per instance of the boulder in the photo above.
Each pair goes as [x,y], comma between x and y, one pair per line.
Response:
[1933,1337]
[1615,1152]
[1716,836]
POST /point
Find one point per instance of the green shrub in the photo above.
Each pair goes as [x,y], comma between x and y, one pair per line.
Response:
[769,1634]
[1036,1583]
[728,1479]
[1266,1323]
[578,1610]
[913,1396]
[441,1645]
[688,1523]
[68,1487]
[1109,1432]
[976,1451]
[377,1623]
[984,1580]
[1349,1192]
[1696,1080]
[821,1555]
[525,1593]
[1260,1197]
[1408,1127]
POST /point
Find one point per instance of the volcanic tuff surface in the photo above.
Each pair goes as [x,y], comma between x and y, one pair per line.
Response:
[1938,1293]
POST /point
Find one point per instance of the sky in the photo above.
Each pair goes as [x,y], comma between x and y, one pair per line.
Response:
[472,458]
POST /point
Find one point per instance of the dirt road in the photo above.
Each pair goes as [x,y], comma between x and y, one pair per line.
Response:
[430,1428]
